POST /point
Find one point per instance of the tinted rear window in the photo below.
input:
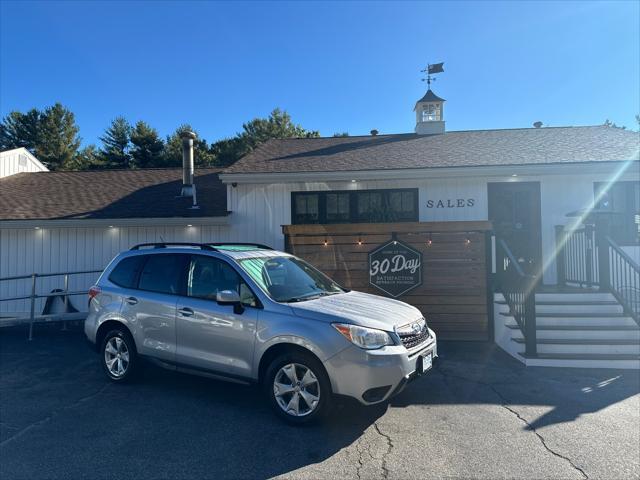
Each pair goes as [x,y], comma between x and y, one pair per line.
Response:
[126,272]
[161,273]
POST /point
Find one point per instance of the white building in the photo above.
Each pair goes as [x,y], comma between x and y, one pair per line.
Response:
[19,160]
[528,183]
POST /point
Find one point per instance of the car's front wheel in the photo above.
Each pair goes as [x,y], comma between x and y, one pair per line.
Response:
[118,354]
[298,387]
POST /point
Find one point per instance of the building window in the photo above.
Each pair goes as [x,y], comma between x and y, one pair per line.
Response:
[430,112]
[337,207]
[355,206]
[622,199]
[306,208]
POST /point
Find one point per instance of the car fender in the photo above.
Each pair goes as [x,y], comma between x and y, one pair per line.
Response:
[320,338]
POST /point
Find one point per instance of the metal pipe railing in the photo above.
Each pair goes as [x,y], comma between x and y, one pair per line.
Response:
[65,293]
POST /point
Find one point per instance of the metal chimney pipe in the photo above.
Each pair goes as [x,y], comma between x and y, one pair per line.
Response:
[188,189]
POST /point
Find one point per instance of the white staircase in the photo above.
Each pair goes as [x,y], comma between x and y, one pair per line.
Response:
[588,330]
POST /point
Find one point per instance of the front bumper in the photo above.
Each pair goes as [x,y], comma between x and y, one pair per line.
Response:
[356,372]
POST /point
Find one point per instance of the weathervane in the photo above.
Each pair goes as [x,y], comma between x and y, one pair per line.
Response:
[431,70]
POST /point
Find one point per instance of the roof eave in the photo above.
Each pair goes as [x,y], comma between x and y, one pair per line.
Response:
[431,172]
[113,222]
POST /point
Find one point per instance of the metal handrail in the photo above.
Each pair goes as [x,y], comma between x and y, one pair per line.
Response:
[624,279]
[42,275]
[634,266]
[519,292]
[65,293]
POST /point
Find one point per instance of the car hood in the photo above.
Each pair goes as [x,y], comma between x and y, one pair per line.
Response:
[358,308]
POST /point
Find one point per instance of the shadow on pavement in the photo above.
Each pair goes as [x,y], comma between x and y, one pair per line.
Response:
[61,418]
[469,373]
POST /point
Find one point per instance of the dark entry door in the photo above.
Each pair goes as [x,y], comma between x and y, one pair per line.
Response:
[514,210]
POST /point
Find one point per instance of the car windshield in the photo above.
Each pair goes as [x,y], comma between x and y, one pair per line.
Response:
[289,279]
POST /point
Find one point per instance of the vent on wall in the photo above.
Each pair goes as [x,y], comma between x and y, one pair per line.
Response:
[22,160]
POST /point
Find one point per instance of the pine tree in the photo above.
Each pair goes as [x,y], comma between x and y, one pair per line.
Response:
[147,146]
[116,144]
[173,150]
[19,129]
[255,133]
[88,158]
[277,125]
[58,139]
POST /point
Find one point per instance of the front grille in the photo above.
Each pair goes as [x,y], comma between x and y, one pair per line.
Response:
[410,339]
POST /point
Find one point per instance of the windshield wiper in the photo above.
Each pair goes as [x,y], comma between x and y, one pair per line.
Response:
[309,296]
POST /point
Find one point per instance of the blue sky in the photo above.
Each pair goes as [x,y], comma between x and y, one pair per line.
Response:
[334,66]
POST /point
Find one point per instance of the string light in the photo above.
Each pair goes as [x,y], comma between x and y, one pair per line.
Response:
[468,241]
[359,239]
[429,241]
[326,242]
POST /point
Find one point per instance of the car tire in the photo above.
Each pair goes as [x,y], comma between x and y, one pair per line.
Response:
[118,355]
[298,379]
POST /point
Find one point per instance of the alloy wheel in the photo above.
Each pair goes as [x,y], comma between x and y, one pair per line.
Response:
[296,389]
[116,357]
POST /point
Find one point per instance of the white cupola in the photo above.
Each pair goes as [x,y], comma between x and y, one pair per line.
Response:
[429,114]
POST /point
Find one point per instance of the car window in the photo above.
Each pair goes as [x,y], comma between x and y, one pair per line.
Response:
[208,276]
[161,273]
[125,274]
[289,279]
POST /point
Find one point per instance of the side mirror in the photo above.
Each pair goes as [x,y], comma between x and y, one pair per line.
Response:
[228,297]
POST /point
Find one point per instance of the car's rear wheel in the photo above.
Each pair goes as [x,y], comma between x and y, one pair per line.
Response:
[118,355]
[298,387]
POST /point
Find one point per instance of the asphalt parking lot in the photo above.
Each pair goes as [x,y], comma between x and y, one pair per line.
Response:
[478,414]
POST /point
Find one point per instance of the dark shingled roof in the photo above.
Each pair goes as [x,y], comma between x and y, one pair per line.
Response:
[149,193]
[527,146]
[431,97]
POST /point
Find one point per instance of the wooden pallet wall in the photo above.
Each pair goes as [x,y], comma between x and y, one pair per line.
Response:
[453,294]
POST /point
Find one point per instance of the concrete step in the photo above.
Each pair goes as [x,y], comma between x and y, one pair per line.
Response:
[572,333]
[618,361]
[574,297]
[594,320]
[562,308]
[585,346]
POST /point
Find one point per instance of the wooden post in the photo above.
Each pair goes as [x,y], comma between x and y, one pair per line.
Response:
[490,279]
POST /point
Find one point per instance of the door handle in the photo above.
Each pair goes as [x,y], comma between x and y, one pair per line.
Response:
[131,300]
[185,311]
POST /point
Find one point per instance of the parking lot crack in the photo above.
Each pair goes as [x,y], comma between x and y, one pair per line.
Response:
[53,414]
[505,404]
[385,469]
[360,460]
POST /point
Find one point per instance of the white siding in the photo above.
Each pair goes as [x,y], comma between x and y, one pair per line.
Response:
[17,161]
[25,251]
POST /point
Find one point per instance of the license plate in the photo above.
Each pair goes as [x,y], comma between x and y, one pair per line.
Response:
[425,362]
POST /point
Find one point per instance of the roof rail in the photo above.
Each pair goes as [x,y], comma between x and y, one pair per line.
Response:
[202,246]
[240,244]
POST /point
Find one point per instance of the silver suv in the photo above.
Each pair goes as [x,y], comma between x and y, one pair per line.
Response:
[248,313]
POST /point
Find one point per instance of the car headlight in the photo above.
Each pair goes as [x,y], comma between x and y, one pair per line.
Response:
[363,337]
